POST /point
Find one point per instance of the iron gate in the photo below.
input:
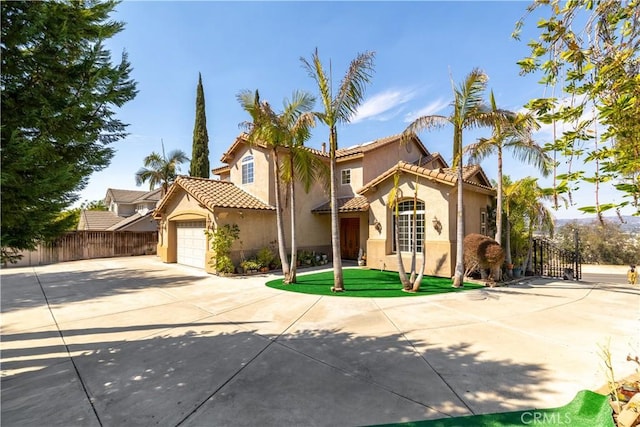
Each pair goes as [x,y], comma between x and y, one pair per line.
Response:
[551,261]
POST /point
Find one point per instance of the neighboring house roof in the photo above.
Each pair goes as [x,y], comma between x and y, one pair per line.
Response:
[221,169]
[345,204]
[126,222]
[124,196]
[212,194]
[472,175]
[149,196]
[97,220]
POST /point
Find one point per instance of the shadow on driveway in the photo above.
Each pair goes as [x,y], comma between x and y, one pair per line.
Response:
[218,373]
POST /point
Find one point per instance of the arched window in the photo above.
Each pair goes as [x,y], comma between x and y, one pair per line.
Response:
[247,170]
[405,226]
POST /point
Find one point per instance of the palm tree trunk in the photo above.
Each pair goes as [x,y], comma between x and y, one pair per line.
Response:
[507,247]
[499,201]
[418,280]
[459,272]
[279,221]
[294,246]
[414,238]
[338,285]
[406,285]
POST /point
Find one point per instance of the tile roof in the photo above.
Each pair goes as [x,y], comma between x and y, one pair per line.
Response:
[345,204]
[220,169]
[446,175]
[341,153]
[125,196]
[150,196]
[213,193]
[97,220]
[372,145]
[130,220]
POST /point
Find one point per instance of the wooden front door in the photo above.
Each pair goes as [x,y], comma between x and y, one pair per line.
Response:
[349,237]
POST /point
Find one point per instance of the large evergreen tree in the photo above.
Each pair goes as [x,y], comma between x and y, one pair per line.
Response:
[200,150]
[60,90]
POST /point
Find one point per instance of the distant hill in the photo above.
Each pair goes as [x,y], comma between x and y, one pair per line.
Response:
[630,224]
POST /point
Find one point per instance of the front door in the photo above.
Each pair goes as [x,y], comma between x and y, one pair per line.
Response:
[349,237]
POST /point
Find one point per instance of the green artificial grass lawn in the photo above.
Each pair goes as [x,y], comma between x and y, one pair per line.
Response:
[363,282]
[587,409]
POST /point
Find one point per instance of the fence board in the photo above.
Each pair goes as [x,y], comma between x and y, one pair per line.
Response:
[77,245]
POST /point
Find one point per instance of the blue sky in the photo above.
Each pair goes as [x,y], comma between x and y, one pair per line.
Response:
[419,47]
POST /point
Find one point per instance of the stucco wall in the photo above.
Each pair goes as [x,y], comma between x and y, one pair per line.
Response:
[313,231]
[381,159]
[181,207]
[257,230]
[348,190]
[437,244]
[262,186]
[474,204]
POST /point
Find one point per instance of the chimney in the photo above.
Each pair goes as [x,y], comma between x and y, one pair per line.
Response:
[324,147]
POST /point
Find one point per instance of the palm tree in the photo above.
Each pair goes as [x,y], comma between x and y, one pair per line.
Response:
[288,129]
[469,111]
[338,109]
[295,123]
[513,134]
[263,128]
[161,169]
[411,284]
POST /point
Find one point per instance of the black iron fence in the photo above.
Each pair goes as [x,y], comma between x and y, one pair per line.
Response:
[551,261]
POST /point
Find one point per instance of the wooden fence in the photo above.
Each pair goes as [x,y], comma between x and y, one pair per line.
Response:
[76,245]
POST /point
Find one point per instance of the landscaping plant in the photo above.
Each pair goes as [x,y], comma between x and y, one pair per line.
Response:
[221,241]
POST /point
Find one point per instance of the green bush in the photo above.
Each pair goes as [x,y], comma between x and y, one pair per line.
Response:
[221,241]
[265,257]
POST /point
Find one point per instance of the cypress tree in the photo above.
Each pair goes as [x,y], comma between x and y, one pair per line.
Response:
[200,150]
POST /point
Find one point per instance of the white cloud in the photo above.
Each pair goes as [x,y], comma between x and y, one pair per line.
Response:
[374,107]
[429,109]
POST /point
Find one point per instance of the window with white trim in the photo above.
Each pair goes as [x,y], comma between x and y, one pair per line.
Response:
[346,177]
[405,226]
[247,170]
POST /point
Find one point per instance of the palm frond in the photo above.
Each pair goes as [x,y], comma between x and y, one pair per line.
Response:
[352,86]
[480,150]
[534,155]
[469,96]
[317,73]
[426,123]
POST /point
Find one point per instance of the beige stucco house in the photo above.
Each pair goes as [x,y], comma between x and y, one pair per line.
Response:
[244,194]
[127,210]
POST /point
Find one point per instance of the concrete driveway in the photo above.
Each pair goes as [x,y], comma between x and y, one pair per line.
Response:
[132,341]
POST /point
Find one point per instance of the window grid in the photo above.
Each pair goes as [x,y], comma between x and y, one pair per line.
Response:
[346,177]
[247,170]
[405,226]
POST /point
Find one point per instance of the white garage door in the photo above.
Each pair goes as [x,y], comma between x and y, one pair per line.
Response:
[192,243]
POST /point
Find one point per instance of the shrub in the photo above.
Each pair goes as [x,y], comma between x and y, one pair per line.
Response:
[222,239]
[482,252]
[265,257]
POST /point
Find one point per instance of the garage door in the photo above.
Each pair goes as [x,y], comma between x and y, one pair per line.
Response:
[192,243]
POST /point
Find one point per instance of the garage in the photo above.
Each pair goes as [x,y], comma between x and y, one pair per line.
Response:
[191,243]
